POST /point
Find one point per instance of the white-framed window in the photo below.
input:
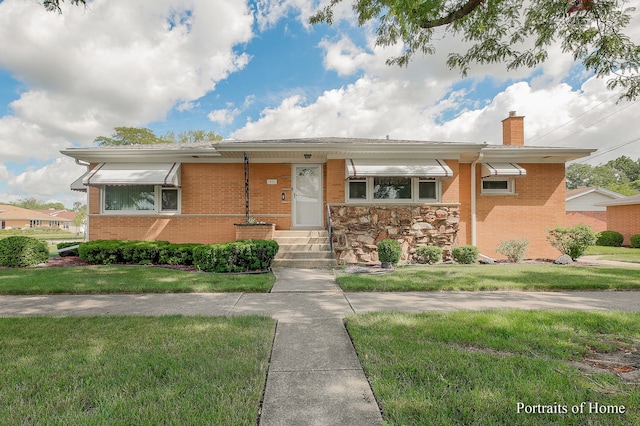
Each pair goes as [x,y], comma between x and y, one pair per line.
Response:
[393,190]
[35,223]
[498,185]
[140,199]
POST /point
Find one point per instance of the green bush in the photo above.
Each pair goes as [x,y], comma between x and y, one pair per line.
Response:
[236,256]
[73,252]
[101,252]
[465,254]
[389,251]
[429,254]
[21,251]
[635,241]
[141,252]
[514,250]
[610,239]
[176,254]
[572,241]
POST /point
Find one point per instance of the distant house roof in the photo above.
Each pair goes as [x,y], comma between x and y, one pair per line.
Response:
[9,212]
[576,193]
[634,199]
[66,214]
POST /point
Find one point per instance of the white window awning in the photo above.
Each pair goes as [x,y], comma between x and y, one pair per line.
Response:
[77,184]
[428,168]
[502,169]
[133,174]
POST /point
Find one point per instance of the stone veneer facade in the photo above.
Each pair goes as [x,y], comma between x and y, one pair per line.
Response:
[358,229]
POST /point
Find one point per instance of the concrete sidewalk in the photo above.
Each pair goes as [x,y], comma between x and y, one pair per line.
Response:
[314,376]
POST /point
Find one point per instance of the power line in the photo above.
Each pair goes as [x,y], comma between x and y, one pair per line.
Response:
[575,118]
[608,150]
[592,124]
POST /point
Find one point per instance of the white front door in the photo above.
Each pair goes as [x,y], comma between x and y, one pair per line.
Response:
[307,195]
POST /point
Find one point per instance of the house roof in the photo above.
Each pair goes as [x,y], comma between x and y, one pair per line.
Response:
[9,212]
[321,149]
[580,192]
[66,214]
[634,199]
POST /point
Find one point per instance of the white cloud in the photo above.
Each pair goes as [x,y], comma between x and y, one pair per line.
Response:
[48,183]
[4,172]
[223,117]
[134,62]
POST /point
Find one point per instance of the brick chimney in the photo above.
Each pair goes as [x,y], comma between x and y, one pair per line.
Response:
[513,130]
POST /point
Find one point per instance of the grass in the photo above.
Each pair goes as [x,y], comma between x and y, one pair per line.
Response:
[620,254]
[494,277]
[473,368]
[133,370]
[126,279]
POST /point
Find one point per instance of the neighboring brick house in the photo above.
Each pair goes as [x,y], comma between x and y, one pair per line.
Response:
[12,217]
[418,192]
[623,215]
[583,206]
[69,225]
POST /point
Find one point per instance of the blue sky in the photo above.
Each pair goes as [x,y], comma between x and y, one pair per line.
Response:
[257,69]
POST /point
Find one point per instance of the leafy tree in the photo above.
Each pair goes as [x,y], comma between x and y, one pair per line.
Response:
[191,136]
[144,136]
[54,5]
[620,175]
[513,32]
[129,136]
[34,204]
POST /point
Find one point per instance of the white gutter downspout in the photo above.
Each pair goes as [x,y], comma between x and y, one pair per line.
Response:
[474,239]
[86,226]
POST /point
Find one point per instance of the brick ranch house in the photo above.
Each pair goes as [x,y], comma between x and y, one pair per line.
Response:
[364,190]
[584,206]
[623,215]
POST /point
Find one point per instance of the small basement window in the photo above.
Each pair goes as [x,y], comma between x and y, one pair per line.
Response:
[498,186]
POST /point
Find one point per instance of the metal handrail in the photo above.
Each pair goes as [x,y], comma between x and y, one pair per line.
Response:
[330,229]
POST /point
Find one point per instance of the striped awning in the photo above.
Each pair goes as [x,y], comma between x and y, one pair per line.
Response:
[502,169]
[428,168]
[167,174]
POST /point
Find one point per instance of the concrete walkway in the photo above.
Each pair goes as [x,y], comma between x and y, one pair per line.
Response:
[314,376]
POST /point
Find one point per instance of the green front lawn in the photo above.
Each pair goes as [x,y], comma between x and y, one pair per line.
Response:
[126,279]
[133,370]
[475,368]
[494,277]
[620,254]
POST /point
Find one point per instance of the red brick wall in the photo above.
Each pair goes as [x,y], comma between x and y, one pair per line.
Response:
[595,220]
[624,219]
[537,205]
[212,201]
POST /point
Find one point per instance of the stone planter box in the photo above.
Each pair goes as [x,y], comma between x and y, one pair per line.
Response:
[255,231]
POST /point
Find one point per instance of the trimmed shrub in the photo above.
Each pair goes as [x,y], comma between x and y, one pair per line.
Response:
[572,241]
[635,241]
[236,256]
[101,252]
[389,251]
[610,239]
[73,252]
[429,254]
[141,252]
[176,254]
[514,250]
[465,254]
[20,251]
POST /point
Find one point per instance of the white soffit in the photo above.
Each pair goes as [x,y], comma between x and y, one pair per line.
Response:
[428,168]
[133,174]
[502,169]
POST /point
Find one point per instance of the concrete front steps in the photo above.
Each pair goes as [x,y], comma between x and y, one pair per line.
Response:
[303,249]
